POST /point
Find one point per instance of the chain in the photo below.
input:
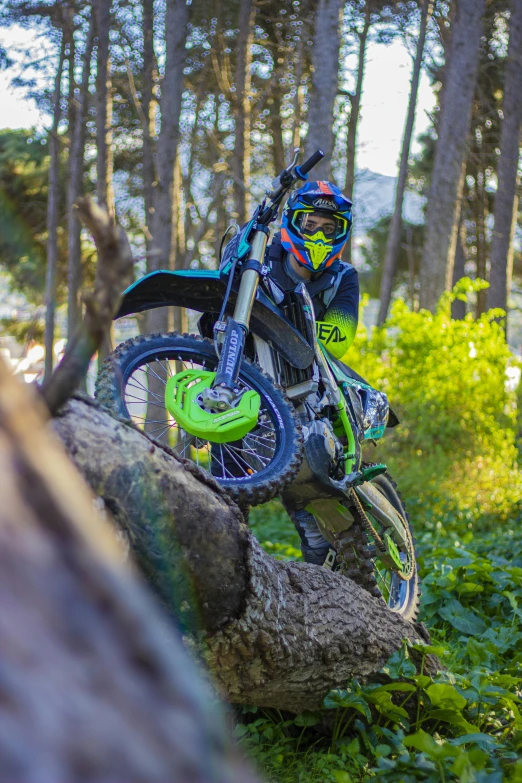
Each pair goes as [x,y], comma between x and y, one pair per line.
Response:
[366,522]
[406,575]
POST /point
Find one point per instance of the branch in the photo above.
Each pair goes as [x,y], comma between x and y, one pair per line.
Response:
[113,274]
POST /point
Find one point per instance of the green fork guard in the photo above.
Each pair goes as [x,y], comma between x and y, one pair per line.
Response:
[181,401]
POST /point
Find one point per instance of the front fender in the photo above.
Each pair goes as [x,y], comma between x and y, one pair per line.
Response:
[202,290]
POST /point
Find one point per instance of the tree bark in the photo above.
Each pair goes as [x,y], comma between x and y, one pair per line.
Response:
[480,221]
[277,634]
[355,101]
[104,158]
[394,236]
[53,200]
[458,307]
[325,60]
[278,147]
[355,107]
[96,684]
[506,198]
[241,158]
[148,117]
[78,114]
[442,214]
[166,149]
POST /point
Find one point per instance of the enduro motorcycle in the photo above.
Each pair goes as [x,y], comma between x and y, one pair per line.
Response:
[258,401]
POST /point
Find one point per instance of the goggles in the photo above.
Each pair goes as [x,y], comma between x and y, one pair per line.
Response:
[309,222]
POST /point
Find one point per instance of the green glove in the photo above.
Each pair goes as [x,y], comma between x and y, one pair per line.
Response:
[336,334]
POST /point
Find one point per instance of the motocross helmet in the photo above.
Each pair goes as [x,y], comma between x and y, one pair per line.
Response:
[316,225]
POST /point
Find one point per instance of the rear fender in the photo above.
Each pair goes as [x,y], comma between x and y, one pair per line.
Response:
[202,290]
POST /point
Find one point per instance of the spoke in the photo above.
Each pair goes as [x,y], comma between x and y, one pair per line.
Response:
[149,369]
[267,426]
[265,445]
[222,463]
[249,467]
[140,386]
[159,363]
[151,421]
[139,401]
[134,381]
[168,427]
[252,454]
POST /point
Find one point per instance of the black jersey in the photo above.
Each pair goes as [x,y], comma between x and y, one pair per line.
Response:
[334,293]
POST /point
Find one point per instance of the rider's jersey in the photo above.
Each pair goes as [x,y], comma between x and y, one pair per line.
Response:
[334,293]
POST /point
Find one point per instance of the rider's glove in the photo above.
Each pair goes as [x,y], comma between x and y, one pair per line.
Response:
[336,336]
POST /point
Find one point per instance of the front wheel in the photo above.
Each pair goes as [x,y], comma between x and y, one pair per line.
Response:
[132,383]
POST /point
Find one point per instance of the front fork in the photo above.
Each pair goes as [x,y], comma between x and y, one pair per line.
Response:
[224,387]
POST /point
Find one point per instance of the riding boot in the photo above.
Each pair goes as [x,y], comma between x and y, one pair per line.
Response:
[314,546]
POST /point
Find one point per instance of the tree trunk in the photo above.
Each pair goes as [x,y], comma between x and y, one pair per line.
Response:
[394,236]
[442,214]
[53,203]
[297,115]
[277,634]
[458,307]
[104,158]
[355,101]
[96,683]
[166,149]
[325,58]
[278,147]
[78,114]
[506,199]
[481,233]
[148,119]
[241,159]
[179,314]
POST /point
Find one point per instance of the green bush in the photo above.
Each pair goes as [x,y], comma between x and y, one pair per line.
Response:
[446,379]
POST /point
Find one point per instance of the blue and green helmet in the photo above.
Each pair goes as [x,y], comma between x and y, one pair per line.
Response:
[316,225]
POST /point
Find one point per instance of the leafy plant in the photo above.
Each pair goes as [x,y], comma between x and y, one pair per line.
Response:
[447,380]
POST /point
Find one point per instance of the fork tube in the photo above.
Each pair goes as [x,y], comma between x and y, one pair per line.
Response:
[249,281]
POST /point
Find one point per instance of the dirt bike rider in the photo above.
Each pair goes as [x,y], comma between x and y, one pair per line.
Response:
[315,227]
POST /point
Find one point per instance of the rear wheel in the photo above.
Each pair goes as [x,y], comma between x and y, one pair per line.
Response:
[399,587]
[389,573]
[132,383]
[394,577]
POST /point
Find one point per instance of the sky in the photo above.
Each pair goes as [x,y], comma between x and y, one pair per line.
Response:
[383,107]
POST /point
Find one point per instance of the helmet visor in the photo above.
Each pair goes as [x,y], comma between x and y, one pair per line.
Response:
[311,222]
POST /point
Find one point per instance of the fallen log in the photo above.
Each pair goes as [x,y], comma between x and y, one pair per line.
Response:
[276,634]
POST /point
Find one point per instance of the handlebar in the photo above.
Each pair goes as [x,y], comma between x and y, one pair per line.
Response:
[313,160]
[282,184]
